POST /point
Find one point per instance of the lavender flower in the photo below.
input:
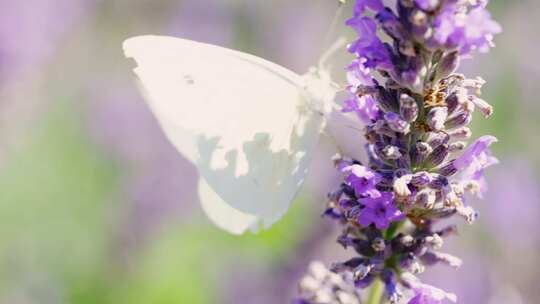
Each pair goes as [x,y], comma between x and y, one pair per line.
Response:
[362,180]
[361,6]
[417,110]
[365,107]
[380,211]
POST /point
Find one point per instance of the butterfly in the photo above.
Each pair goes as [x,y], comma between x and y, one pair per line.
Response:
[250,126]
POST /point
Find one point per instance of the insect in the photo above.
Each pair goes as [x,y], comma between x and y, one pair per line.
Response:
[250,126]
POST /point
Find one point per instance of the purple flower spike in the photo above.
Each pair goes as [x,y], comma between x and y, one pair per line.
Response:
[417,114]
[363,180]
[380,211]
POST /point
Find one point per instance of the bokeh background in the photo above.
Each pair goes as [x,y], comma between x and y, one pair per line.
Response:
[97,207]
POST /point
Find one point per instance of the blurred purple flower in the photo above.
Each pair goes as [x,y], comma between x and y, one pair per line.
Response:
[31,31]
[427,294]
[217,27]
[514,204]
[479,31]
[471,283]
[474,161]
[161,184]
[466,31]
[477,156]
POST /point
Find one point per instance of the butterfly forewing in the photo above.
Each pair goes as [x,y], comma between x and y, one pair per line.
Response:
[243,121]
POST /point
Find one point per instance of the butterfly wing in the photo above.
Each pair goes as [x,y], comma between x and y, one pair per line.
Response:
[243,121]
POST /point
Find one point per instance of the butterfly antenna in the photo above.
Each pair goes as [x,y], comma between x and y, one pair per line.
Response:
[333,25]
[330,33]
[338,44]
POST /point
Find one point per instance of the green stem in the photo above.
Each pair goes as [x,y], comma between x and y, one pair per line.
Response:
[393,229]
[376,293]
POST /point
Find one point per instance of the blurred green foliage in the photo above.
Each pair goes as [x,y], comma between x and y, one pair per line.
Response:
[57,210]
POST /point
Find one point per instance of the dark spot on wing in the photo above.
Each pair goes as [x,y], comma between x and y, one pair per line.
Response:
[189,80]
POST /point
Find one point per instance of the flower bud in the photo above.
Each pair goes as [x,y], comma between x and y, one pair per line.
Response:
[457,146]
[468,213]
[334,196]
[407,240]
[412,79]
[483,106]
[439,182]
[435,241]
[403,163]
[460,120]
[435,139]
[381,127]
[419,152]
[420,24]
[386,100]
[416,267]
[437,156]
[436,118]
[461,133]
[452,198]
[448,170]
[391,25]
[419,18]
[391,152]
[378,244]
[474,84]
[421,179]
[433,257]
[406,47]
[426,198]
[456,99]
[408,108]
[396,123]
[361,271]
[448,64]
[401,185]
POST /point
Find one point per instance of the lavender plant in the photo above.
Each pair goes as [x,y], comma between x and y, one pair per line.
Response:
[417,110]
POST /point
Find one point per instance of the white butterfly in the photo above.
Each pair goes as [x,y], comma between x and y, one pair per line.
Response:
[249,125]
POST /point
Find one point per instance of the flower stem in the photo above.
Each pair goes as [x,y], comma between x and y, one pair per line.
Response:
[376,292]
[391,231]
